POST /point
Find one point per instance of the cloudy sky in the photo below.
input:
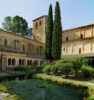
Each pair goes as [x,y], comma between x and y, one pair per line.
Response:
[74,13]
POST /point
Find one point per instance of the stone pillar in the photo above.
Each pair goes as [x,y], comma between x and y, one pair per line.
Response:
[4,63]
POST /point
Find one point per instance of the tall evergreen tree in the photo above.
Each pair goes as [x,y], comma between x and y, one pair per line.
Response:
[49,30]
[57,34]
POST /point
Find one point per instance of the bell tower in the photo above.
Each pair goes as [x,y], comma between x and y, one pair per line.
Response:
[39,28]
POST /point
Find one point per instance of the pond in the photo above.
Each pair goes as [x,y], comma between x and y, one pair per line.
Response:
[32,89]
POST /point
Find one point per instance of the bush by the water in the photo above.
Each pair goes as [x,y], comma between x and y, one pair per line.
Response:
[47,69]
[45,63]
[87,71]
[65,66]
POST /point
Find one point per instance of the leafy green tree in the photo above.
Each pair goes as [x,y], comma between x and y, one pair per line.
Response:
[57,34]
[17,25]
[7,23]
[49,30]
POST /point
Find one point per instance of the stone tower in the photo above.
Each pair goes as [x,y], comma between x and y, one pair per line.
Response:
[39,28]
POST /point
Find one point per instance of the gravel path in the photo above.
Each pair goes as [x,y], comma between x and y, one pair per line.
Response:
[1,98]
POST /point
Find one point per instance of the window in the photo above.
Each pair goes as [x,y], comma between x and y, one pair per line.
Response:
[20,62]
[36,62]
[23,61]
[66,38]
[23,47]
[37,51]
[80,51]
[40,23]
[36,25]
[81,36]
[16,44]
[30,48]
[9,61]
[13,61]
[41,50]
[63,49]
[5,42]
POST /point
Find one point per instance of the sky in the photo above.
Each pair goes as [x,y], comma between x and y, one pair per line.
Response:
[74,13]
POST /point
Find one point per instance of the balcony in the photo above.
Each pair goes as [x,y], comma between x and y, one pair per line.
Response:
[11,49]
[36,56]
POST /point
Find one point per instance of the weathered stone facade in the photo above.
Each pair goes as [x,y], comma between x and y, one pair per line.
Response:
[16,50]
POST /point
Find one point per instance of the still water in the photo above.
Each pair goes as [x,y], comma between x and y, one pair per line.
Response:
[41,90]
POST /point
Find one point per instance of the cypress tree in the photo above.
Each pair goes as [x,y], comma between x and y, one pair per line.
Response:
[57,34]
[49,30]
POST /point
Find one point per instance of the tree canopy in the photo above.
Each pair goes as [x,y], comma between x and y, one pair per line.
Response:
[17,25]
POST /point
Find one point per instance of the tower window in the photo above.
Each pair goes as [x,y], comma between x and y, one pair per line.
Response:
[81,36]
[36,25]
[67,39]
[40,22]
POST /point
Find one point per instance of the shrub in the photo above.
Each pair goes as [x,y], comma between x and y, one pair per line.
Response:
[3,88]
[45,63]
[57,68]
[19,68]
[87,71]
[77,64]
[47,69]
[67,68]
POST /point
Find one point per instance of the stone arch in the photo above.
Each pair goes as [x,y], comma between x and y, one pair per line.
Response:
[20,62]
[36,62]
[30,62]
[23,62]
[9,61]
[13,61]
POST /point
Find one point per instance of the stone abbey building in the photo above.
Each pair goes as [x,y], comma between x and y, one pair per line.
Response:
[16,50]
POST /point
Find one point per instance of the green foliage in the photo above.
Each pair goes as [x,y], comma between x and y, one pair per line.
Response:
[67,68]
[48,43]
[45,63]
[16,25]
[57,34]
[3,88]
[47,69]
[77,64]
[19,68]
[87,71]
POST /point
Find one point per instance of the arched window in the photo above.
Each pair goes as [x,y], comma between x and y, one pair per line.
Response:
[81,36]
[20,62]
[23,62]
[13,61]
[36,25]
[36,62]
[9,61]
[30,62]
[5,42]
